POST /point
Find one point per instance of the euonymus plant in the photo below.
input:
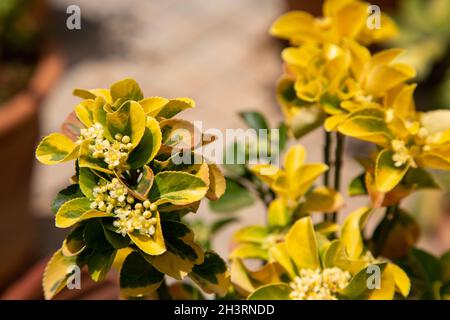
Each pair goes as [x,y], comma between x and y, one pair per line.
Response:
[127,199]
[332,81]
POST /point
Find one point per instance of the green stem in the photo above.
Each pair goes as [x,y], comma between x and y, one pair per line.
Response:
[339,154]
[163,291]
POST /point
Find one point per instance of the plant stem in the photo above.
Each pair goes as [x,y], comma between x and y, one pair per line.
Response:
[339,154]
[163,291]
[327,161]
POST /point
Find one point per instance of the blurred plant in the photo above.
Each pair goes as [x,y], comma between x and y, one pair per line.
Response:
[425,34]
[333,81]
[22,26]
[323,269]
[127,200]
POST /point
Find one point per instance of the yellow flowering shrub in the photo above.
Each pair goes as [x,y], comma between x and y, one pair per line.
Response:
[332,80]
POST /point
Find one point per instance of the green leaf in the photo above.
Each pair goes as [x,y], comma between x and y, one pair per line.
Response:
[148,147]
[142,187]
[254,120]
[286,95]
[282,136]
[419,178]
[212,275]
[88,181]
[387,174]
[71,192]
[128,120]
[95,236]
[99,263]
[430,266]
[175,106]
[116,240]
[222,223]
[396,235]
[127,89]
[76,210]
[306,120]
[182,252]
[178,188]
[357,186]
[272,292]
[235,198]
[138,278]
[445,262]
[86,159]
[367,128]
[56,274]
[74,243]
[357,288]
[56,148]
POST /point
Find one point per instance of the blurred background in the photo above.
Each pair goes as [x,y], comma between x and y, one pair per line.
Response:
[217,52]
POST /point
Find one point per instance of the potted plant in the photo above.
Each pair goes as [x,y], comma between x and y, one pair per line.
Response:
[29,65]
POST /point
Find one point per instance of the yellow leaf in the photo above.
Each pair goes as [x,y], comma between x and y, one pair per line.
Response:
[387,174]
[266,172]
[401,279]
[278,213]
[292,25]
[367,128]
[294,159]
[434,161]
[56,273]
[217,183]
[152,245]
[153,105]
[93,93]
[323,199]
[280,254]
[56,148]
[305,176]
[120,257]
[302,245]
[175,265]
[76,210]
[351,235]
[240,278]
[84,112]
[351,19]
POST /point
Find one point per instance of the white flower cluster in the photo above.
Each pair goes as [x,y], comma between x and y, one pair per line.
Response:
[115,154]
[319,284]
[401,153]
[113,197]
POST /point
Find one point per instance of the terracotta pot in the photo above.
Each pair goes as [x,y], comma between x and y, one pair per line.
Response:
[18,136]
